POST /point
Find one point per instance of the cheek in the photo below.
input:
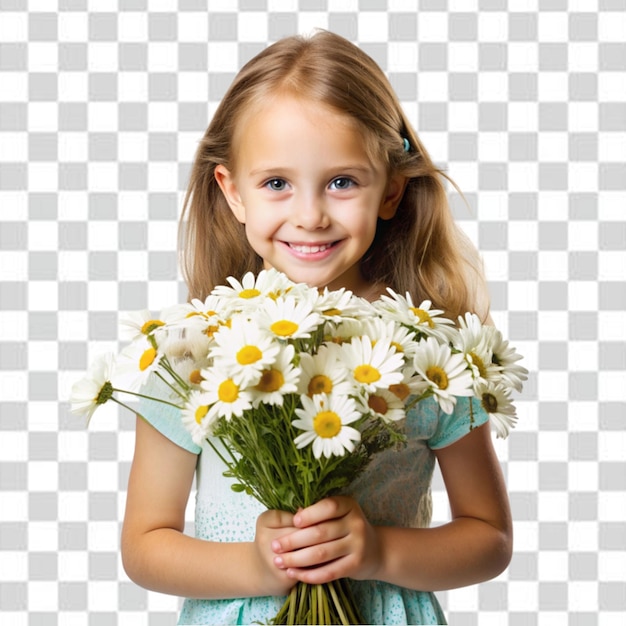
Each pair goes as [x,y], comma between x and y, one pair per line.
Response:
[364,224]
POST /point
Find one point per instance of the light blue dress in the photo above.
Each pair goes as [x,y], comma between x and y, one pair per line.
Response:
[393,490]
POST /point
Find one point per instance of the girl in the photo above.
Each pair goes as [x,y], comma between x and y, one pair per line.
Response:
[309,166]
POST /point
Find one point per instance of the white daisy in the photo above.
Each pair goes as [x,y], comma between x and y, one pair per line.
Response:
[195,417]
[338,304]
[446,373]
[344,331]
[137,323]
[207,316]
[323,373]
[95,388]
[372,367]
[250,291]
[473,339]
[386,406]
[135,364]
[224,395]
[495,399]
[399,336]
[505,357]
[289,318]
[211,309]
[324,420]
[277,379]
[244,350]
[412,384]
[423,319]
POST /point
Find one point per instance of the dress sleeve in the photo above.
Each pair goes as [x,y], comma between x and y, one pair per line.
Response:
[467,415]
[165,418]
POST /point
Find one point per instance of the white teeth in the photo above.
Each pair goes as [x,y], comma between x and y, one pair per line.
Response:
[309,249]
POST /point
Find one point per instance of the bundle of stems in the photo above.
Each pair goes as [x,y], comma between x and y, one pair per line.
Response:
[328,603]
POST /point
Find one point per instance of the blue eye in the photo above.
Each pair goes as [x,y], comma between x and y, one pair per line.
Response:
[276,184]
[342,183]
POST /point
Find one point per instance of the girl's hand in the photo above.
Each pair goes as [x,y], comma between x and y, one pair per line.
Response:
[272,526]
[332,539]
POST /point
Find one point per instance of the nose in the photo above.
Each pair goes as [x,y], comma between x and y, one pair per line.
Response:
[310,212]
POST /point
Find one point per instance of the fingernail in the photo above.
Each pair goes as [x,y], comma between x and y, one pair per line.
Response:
[278,561]
[276,546]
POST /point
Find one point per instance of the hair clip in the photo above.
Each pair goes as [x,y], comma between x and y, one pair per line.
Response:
[406,144]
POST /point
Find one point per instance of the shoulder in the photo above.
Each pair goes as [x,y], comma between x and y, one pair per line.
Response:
[428,421]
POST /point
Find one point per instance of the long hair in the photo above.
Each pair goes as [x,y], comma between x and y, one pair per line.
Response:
[420,250]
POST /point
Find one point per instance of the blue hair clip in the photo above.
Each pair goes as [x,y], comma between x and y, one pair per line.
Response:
[406,144]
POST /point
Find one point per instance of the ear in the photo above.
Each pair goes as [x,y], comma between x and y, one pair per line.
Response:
[227,184]
[393,195]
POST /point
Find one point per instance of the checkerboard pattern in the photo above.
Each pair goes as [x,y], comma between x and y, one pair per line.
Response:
[101,107]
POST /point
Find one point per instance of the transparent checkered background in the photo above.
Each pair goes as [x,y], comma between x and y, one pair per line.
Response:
[101,107]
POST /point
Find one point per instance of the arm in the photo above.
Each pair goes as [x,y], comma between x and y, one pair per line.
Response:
[158,556]
[475,546]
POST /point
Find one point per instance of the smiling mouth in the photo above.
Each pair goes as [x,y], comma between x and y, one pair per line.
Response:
[305,249]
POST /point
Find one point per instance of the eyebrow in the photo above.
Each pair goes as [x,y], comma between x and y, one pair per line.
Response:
[339,169]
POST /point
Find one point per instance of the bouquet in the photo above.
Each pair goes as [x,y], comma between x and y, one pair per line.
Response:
[302,387]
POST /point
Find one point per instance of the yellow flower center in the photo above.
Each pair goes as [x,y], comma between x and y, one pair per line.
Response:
[319,384]
[401,390]
[327,424]
[338,340]
[397,346]
[147,359]
[478,362]
[489,402]
[195,377]
[210,330]
[366,374]
[332,312]
[228,391]
[271,380]
[201,411]
[284,328]
[248,355]
[378,404]
[247,294]
[150,325]
[438,376]
[422,316]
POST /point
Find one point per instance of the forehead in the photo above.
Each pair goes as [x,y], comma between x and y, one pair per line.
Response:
[295,124]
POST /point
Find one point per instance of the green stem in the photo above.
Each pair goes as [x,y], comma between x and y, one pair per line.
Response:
[293,602]
[314,596]
[172,387]
[141,395]
[167,366]
[127,407]
[349,602]
[342,615]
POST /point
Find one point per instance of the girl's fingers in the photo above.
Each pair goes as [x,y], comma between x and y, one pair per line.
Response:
[313,555]
[326,509]
[310,536]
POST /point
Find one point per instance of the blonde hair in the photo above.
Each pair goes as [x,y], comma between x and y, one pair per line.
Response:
[420,250]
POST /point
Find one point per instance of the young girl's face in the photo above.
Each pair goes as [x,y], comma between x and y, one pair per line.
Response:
[307,192]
